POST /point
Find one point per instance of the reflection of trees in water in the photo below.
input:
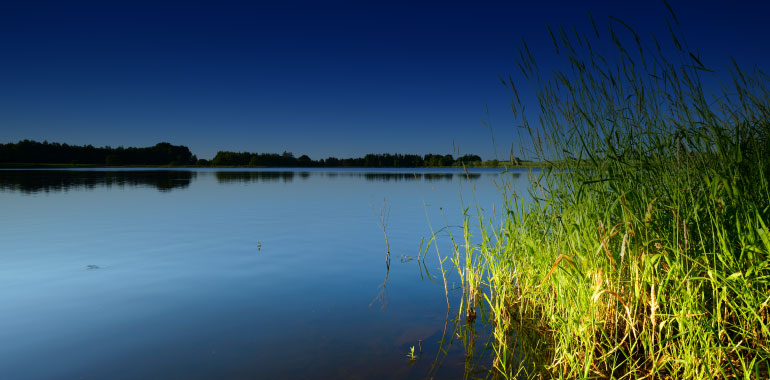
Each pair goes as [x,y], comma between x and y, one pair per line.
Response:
[415,176]
[34,181]
[419,176]
[286,176]
[257,176]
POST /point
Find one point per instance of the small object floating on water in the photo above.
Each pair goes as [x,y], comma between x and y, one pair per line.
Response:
[92,266]
[259,245]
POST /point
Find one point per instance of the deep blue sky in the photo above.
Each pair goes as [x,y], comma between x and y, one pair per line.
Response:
[320,78]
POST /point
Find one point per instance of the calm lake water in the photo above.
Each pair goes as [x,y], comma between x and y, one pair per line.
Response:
[142,274]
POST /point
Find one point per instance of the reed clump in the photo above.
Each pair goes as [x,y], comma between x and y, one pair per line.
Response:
[644,250]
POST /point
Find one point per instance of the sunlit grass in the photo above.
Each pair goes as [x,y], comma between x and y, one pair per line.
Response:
[643,251]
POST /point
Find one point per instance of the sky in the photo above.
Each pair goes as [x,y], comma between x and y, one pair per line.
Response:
[318,78]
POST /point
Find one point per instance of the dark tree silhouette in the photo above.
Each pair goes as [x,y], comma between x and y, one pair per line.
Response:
[32,152]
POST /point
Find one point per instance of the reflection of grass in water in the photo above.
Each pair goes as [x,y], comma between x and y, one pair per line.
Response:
[645,253]
[382,296]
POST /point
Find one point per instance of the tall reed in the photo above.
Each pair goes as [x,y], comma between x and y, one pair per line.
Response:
[643,250]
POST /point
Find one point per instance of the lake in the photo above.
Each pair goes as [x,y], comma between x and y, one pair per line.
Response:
[218,273]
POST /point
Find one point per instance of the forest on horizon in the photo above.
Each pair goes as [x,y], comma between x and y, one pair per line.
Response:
[28,152]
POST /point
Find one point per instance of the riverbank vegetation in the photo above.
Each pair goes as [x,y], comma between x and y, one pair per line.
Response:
[644,253]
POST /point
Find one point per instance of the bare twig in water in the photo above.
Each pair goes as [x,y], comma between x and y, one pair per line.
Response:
[383,223]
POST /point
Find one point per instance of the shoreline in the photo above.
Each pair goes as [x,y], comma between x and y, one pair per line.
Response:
[527,165]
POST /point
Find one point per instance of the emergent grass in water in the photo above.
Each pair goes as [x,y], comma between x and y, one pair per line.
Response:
[644,250]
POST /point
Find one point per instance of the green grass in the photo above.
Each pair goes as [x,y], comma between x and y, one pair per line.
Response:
[643,251]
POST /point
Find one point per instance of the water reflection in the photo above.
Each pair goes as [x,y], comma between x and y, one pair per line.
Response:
[254,176]
[35,181]
[185,274]
[288,176]
[412,176]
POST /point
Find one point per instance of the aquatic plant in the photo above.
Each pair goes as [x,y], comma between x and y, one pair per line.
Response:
[643,251]
[411,354]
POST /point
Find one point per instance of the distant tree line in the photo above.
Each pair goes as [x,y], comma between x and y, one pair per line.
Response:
[31,152]
[387,160]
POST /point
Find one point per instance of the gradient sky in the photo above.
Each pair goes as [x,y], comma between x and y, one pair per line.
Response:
[321,78]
